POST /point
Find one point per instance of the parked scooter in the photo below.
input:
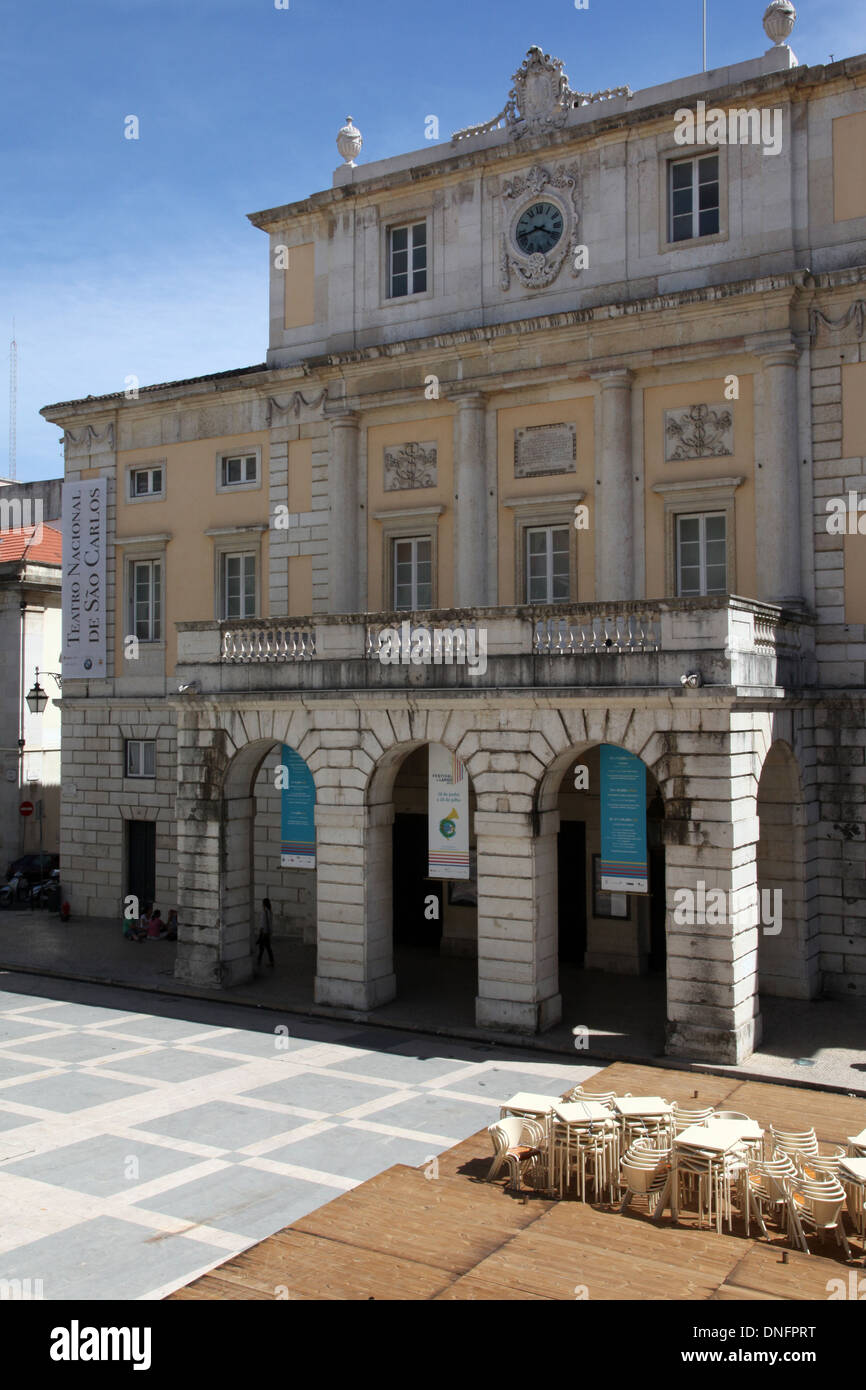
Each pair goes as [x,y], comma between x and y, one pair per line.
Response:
[17,890]
[46,896]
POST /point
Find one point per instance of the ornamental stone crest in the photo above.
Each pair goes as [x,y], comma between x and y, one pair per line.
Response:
[538,269]
[411,466]
[540,99]
[698,432]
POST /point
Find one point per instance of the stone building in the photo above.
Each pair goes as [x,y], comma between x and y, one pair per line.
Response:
[580,383]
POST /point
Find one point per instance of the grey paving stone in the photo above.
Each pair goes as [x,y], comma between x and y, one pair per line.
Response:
[173,1065]
[77,1014]
[247,1200]
[73,1091]
[222,1125]
[435,1114]
[260,1044]
[151,1029]
[100,1166]
[106,1259]
[394,1066]
[13,1028]
[73,1047]
[8,1120]
[500,1084]
[352,1153]
[330,1095]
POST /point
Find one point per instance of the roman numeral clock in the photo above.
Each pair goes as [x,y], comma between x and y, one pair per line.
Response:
[540,226]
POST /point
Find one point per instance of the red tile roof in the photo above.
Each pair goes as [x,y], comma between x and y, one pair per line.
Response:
[38,545]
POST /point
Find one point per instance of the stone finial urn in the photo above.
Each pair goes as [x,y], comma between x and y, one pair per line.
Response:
[779,19]
[349,142]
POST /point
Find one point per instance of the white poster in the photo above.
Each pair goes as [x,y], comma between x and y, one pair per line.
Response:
[447,815]
[84,602]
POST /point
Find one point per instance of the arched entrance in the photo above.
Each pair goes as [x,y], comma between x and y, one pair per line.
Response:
[787,948]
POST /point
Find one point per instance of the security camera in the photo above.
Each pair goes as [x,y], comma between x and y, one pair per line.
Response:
[191,688]
[692,678]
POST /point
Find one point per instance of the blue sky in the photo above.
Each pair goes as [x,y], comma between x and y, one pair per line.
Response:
[123,257]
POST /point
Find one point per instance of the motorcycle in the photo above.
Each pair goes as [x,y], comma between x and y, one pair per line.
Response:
[17,890]
[46,895]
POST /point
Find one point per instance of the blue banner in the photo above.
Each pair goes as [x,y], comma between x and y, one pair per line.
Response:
[298,826]
[624,863]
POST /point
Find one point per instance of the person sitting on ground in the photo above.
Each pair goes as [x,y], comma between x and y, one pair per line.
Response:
[132,931]
[156,927]
[144,919]
[171,925]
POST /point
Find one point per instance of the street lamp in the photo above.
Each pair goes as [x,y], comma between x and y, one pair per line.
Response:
[36,697]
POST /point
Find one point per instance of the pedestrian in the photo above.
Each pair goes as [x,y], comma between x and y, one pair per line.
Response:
[263,941]
[171,925]
[156,926]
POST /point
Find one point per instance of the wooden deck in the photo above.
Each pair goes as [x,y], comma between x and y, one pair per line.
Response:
[403,1236]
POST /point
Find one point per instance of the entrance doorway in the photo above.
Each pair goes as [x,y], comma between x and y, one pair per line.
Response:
[414,922]
[141,860]
[571,897]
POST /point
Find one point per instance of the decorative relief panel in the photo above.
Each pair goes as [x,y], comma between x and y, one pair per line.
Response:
[698,432]
[411,466]
[543,449]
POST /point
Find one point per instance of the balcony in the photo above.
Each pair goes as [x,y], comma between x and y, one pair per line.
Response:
[730,642]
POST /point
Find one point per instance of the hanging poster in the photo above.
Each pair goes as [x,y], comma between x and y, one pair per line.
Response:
[624,861]
[298,828]
[447,815]
[83,595]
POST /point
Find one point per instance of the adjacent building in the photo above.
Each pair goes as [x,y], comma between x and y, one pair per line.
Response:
[587,385]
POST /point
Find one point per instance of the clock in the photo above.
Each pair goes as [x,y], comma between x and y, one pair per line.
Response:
[539,228]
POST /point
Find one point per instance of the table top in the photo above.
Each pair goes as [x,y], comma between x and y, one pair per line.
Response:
[855,1166]
[641,1105]
[720,1135]
[529,1100]
[581,1111]
[859,1139]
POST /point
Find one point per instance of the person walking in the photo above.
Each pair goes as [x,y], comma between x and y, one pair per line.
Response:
[263,940]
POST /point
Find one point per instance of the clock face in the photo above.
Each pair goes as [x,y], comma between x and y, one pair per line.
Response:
[539,229]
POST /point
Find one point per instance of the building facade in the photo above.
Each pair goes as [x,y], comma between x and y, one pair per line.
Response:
[587,385]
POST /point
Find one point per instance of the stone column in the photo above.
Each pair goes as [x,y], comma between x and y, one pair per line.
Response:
[470,501]
[343,547]
[518,949]
[614,521]
[777,480]
[355,958]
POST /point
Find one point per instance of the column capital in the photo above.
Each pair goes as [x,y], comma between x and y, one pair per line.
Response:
[471,399]
[774,349]
[610,377]
[345,419]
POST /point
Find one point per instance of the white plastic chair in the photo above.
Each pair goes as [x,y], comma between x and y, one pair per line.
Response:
[510,1148]
[819,1205]
[769,1186]
[644,1171]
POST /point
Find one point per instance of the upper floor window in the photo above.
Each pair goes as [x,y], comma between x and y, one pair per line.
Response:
[694,197]
[238,469]
[548,577]
[702,551]
[145,599]
[145,482]
[238,585]
[140,757]
[407,259]
[413,572]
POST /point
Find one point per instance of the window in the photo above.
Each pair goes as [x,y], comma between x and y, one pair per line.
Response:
[548,578]
[702,550]
[145,600]
[145,482]
[407,260]
[236,470]
[694,197]
[413,572]
[238,585]
[140,757]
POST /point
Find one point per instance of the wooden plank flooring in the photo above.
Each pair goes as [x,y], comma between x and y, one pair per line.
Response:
[404,1236]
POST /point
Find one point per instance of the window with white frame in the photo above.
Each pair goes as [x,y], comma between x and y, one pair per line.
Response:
[413,572]
[694,203]
[238,470]
[140,757]
[407,259]
[702,554]
[145,482]
[145,599]
[548,570]
[238,584]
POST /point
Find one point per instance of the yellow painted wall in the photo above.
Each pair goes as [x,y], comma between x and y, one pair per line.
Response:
[580,412]
[191,505]
[741,463]
[849,166]
[301,475]
[300,283]
[854,410]
[300,586]
[432,428]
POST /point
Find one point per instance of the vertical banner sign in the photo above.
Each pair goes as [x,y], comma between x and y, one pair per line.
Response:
[623,822]
[83,598]
[447,815]
[298,805]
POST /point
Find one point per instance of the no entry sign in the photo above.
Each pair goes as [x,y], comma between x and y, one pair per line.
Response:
[26,808]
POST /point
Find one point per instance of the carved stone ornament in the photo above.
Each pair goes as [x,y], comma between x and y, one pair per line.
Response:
[349,142]
[89,435]
[698,432]
[411,466]
[540,99]
[538,270]
[294,404]
[854,318]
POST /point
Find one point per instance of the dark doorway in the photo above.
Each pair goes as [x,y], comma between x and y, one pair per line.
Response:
[571,885]
[658,903]
[141,860]
[412,886]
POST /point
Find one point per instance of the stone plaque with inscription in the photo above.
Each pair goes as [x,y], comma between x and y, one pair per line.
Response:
[543,449]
